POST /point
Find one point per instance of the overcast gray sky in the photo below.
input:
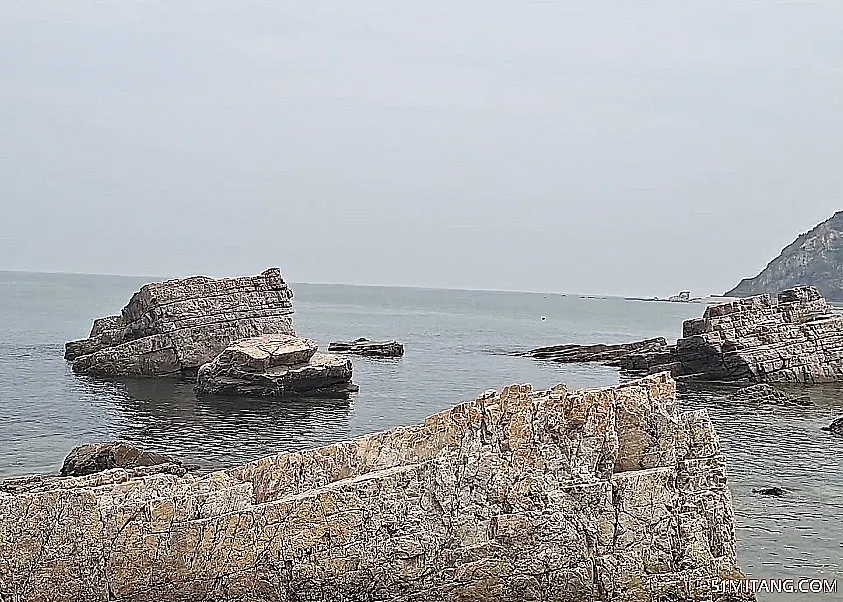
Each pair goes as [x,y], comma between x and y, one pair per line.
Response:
[606,147]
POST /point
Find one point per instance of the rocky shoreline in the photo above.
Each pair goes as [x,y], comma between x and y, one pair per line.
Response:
[603,494]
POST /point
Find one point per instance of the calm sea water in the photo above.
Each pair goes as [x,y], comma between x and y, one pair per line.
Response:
[454,342]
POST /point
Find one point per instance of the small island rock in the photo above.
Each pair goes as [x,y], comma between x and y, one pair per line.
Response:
[366,347]
[275,366]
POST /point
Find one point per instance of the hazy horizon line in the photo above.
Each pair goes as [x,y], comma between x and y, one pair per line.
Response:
[160,278]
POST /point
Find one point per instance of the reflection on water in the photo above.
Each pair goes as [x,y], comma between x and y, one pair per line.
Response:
[217,432]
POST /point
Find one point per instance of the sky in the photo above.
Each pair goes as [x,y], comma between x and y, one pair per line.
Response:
[601,147]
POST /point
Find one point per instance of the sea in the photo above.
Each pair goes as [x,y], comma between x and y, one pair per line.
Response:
[459,343]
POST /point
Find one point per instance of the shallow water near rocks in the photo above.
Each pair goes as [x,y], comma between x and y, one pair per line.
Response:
[456,345]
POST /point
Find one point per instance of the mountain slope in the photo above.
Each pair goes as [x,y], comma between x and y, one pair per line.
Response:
[815,258]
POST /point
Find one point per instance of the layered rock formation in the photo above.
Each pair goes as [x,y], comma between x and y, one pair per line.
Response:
[814,258]
[369,348]
[612,355]
[603,494]
[799,339]
[174,327]
[274,366]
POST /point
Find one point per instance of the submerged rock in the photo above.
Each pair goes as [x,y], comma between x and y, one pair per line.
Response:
[603,494]
[835,428]
[763,392]
[97,457]
[370,348]
[275,366]
[174,327]
[770,491]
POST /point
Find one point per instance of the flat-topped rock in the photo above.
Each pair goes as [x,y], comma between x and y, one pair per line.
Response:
[364,346]
[174,327]
[603,494]
[97,457]
[275,366]
[606,354]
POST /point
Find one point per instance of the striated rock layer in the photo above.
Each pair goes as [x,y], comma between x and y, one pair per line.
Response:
[363,346]
[602,494]
[176,326]
[274,366]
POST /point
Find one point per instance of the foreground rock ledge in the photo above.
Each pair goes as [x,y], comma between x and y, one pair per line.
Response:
[523,495]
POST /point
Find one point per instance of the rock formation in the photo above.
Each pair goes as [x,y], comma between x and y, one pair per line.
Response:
[835,428]
[814,258]
[369,348]
[612,355]
[604,494]
[274,366]
[799,339]
[764,393]
[176,326]
[97,457]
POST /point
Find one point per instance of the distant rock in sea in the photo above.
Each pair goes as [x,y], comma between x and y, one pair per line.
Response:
[815,258]
[173,327]
[366,347]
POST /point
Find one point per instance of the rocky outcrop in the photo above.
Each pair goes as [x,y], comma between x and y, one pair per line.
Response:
[835,428]
[813,259]
[275,366]
[605,494]
[798,339]
[764,393]
[97,457]
[612,355]
[174,327]
[368,348]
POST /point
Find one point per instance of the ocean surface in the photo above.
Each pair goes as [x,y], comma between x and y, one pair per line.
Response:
[455,349]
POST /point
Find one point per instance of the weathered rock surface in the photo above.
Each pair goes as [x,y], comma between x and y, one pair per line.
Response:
[613,355]
[602,494]
[176,326]
[799,339]
[814,258]
[97,457]
[835,428]
[763,392]
[366,347]
[274,366]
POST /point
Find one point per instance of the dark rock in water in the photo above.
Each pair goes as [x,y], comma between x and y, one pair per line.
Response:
[799,339]
[370,348]
[770,491]
[763,392]
[614,355]
[275,366]
[174,327]
[835,428]
[814,258]
[97,457]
